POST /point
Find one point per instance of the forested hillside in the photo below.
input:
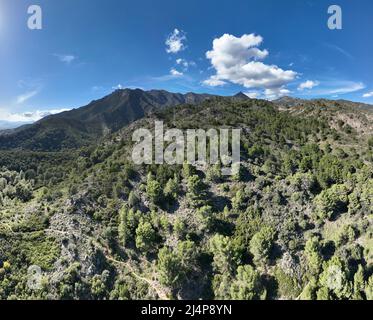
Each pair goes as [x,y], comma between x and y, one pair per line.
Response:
[83,126]
[294,223]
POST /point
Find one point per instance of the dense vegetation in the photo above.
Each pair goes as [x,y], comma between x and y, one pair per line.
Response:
[294,223]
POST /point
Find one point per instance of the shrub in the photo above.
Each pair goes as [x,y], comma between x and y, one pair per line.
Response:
[169,268]
[145,236]
[154,191]
[331,201]
[247,285]
[261,244]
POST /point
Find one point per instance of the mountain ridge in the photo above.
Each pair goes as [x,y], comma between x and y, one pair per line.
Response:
[82,126]
[92,219]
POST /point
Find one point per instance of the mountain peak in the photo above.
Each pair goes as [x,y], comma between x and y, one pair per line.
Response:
[82,125]
[241,96]
[288,101]
[287,98]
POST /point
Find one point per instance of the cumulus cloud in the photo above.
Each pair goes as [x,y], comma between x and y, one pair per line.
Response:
[237,60]
[27,117]
[368,95]
[270,94]
[175,41]
[309,84]
[65,58]
[175,73]
[275,93]
[26,96]
[214,81]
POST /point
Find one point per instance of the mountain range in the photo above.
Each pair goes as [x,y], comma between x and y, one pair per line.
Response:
[294,220]
[81,126]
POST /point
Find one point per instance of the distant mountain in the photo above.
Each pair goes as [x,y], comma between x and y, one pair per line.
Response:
[81,126]
[344,114]
[290,102]
[241,96]
[6,125]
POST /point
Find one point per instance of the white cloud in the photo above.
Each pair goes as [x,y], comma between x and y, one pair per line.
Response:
[275,93]
[348,87]
[26,96]
[27,117]
[309,84]
[214,81]
[236,60]
[117,87]
[340,50]
[333,87]
[183,63]
[186,64]
[253,94]
[368,95]
[175,73]
[175,41]
[65,58]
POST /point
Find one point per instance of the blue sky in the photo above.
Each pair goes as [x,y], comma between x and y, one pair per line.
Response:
[265,48]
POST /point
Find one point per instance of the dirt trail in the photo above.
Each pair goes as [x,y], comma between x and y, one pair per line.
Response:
[162,292]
